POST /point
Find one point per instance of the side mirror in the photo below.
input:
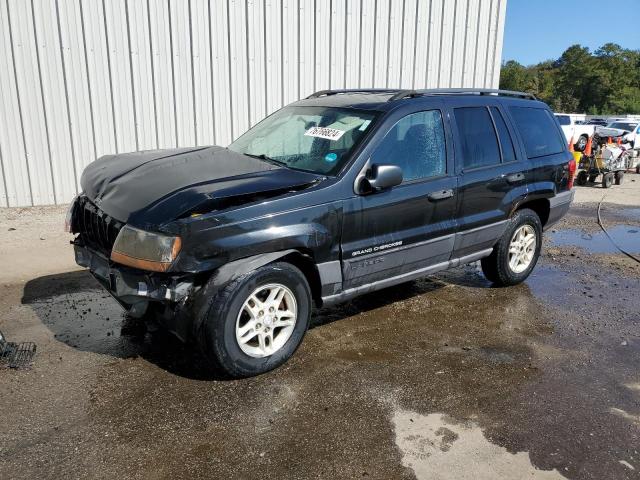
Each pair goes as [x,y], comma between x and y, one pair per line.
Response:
[378,177]
[385,176]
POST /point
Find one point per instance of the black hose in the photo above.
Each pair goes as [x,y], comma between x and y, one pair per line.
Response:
[609,236]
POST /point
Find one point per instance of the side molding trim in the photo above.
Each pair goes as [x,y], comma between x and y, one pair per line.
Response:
[405,277]
[330,272]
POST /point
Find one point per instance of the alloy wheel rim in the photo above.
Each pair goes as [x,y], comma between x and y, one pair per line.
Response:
[266,320]
[582,142]
[522,248]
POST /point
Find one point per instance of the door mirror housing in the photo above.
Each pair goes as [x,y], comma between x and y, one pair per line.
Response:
[385,176]
[373,178]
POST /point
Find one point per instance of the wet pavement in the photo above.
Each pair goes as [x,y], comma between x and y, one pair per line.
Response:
[626,237]
[442,378]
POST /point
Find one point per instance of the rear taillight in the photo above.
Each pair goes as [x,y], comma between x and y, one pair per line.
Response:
[571,166]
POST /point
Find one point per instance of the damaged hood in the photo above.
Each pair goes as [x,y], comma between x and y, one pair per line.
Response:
[154,187]
[612,132]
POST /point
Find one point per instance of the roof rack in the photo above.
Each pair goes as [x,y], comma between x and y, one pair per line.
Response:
[400,94]
[461,91]
[326,93]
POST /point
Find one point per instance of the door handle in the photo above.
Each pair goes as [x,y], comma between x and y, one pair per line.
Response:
[440,195]
[515,177]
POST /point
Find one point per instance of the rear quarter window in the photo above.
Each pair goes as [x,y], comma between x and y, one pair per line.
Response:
[538,131]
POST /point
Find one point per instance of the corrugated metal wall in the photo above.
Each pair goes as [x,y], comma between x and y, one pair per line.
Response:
[82,78]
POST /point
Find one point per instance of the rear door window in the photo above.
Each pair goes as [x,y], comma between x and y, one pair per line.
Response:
[508,153]
[478,137]
[538,130]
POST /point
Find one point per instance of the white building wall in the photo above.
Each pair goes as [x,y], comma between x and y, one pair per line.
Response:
[84,78]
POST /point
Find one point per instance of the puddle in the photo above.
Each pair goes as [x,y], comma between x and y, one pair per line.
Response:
[632,212]
[88,320]
[438,446]
[550,285]
[626,237]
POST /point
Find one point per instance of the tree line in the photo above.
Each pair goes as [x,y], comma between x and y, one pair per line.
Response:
[603,82]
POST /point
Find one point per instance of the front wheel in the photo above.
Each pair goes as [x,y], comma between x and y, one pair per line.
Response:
[256,322]
[517,251]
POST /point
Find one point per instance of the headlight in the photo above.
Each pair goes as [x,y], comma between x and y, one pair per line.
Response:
[145,250]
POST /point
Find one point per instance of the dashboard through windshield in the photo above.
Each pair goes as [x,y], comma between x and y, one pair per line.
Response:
[315,139]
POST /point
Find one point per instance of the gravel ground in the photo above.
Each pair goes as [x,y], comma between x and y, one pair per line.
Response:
[442,378]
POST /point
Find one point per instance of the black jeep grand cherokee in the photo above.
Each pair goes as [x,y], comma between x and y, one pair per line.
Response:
[336,195]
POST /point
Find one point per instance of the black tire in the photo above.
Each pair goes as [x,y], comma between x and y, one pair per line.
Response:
[592,178]
[607,180]
[581,144]
[496,266]
[619,178]
[582,178]
[217,331]
[638,169]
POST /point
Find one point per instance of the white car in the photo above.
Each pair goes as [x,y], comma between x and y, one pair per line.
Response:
[629,130]
[580,133]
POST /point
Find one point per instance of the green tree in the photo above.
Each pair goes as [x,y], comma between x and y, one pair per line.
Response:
[628,100]
[514,76]
[606,81]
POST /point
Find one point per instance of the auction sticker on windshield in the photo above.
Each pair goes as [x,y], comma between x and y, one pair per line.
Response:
[324,132]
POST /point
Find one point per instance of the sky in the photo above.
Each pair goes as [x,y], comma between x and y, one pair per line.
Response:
[537,30]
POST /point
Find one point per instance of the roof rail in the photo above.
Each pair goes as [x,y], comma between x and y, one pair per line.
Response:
[475,91]
[400,94]
[326,93]
[404,94]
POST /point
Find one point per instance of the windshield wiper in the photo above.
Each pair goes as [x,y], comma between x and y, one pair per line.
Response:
[262,156]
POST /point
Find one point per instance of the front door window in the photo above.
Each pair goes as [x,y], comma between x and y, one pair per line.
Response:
[416,144]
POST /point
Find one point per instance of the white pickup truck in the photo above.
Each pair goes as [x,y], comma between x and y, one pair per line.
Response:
[580,133]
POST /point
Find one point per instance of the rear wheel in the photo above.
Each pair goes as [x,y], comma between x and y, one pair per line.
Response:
[516,253]
[619,178]
[607,180]
[582,178]
[256,322]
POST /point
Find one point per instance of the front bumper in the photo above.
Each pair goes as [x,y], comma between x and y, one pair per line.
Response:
[133,287]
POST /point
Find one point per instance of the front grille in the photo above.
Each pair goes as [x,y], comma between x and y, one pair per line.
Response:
[97,229]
